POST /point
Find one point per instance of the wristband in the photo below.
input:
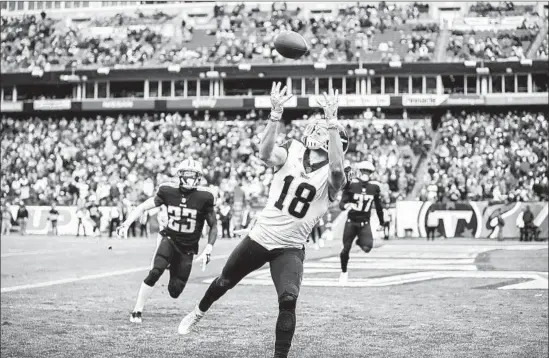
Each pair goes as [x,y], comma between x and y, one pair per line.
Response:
[275,116]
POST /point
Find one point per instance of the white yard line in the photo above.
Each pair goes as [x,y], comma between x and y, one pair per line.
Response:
[87,277]
[37,252]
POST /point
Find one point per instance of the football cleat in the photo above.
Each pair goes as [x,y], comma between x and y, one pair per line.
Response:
[136,317]
[321,242]
[190,321]
[316,246]
[343,277]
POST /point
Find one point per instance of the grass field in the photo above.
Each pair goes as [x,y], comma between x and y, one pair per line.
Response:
[69,297]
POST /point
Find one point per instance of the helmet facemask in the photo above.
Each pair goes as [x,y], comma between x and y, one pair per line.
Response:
[188,179]
[365,175]
[316,136]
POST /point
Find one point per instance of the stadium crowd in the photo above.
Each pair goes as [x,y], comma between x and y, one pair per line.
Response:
[241,32]
[105,159]
[487,156]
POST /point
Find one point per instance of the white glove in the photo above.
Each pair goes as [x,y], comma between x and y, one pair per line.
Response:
[205,256]
[122,231]
[330,105]
[278,98]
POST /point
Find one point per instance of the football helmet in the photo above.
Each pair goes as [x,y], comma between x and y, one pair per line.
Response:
[190,173]
[365,170]
[316,136]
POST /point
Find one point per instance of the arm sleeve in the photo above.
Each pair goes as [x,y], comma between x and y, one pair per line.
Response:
[159,197]
[379,206]
[345,198]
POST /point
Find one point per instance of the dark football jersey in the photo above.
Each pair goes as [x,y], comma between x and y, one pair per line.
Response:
[364,195]
[187,212]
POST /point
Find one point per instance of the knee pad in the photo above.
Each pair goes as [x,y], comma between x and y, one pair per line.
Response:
[175,287]
[366,248]
[287,301]
[223,283]
[153,276]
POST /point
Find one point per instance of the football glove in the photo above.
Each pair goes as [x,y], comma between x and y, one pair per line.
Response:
[122,231]
[205,256]
[278,98]
[330,105]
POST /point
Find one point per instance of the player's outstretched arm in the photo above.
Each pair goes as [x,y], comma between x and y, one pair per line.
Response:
[268,151]
[379,208]
[135,214]
[211,219]
[335,146]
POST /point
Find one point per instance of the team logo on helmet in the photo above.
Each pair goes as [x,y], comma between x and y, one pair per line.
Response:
[190,173]
[316,136]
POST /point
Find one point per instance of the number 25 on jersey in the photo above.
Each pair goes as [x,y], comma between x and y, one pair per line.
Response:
[301,202]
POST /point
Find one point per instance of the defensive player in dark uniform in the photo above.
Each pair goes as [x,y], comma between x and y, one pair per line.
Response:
[359,195]
[188,206]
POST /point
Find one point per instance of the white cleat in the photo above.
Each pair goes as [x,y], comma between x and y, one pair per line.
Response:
[190,321]
[135,317]
[321,242]
[343,277]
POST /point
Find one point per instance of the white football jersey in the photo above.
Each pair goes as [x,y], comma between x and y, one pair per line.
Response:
[297,201]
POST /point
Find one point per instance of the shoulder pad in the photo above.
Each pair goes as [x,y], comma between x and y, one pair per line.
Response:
[169,184]
[212,191]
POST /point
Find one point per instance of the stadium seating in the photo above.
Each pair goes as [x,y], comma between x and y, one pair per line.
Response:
[487,156]
[51,153]
[365,32]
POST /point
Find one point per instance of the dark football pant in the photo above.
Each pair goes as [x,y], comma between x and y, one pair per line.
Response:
[180,261]
[352,230]
[286,271]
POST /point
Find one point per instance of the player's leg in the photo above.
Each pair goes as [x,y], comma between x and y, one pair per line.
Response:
[162,257]
[287,273]
[248,256]
[180,270]
[365,238]
[349,235]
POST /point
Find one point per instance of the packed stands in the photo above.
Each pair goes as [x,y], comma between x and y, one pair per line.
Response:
[46,160]
[379,32]
[489,156]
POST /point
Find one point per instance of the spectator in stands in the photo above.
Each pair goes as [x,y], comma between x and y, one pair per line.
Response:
[6,220]
[53,217]
[22,217]
[432,224]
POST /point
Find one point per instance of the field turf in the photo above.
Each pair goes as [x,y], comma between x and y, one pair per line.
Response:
[71,297]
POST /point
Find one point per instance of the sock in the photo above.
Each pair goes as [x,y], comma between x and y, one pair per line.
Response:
[285,328]
[344,257]
[198,312]
[145,292]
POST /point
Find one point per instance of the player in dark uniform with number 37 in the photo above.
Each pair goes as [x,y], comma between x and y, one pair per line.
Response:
[359,195]
[188,206]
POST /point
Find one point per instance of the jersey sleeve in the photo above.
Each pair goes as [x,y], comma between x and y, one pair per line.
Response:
[160,197]
[286,146]
[209,206]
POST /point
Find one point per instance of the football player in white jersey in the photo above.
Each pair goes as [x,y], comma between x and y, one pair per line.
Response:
[309,173]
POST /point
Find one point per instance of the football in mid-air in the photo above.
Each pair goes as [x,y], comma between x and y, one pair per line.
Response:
[290,44]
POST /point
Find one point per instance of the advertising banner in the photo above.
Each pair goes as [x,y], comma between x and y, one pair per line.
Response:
[503,99]
[205,103]
[354,100]
[11,106]
[67,222]
[52,104]
[467,219]
[116,104]
[465,100]
[423,100]
[265,102]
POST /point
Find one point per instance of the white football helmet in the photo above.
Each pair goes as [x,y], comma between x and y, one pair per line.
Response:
[190,173]
[365,170]
[316,136]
